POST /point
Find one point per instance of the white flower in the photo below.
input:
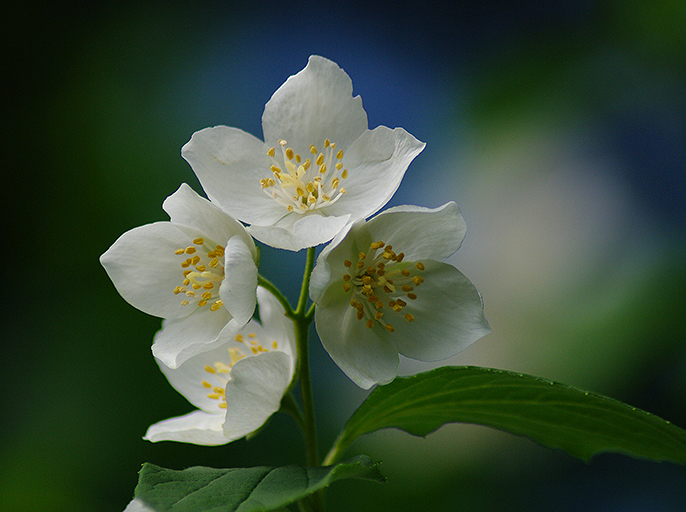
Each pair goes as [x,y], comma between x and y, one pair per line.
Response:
[319,168]
[382,289]
[198,272]
[237,386]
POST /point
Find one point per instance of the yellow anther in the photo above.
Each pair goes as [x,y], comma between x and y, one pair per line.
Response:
[411,296]
[397,308]
[339,155]
[420,265]
[405,272]
[342,190]
[208,286]
[344,174]
[184,303]
[190,293]
[271,152]
[307,164]
[275,345]
[275,169]
[210,369]
[346,287]
[300,192]
[409,317]
[297,158]
[313,150]
[310,187]
[254,350]
[360,314]
[238,338]
[186,282]
[177,290]
[178,252]
[370,323]
[289,154]
[360,264]
[333,145]
[378,315]
[201,268]
[359,306]
[206,384]
[361,256]
[202,303]
[335,182]
[347,263]
[252,335]
[346,277]
[218,390]
[215,306]
[206,295]
[417,280]
[320,159]
[289,207]
[401,302]
[327,143]
[322,168]
[222,405]
[389,328]
[303,207]
[221,367]
[213,396]
[199,241]
[311,199]
[407,288]
[339,166]
[196,286]
[214,262]
[195,260]
[367,280]
[282,143]
[186,272]
[401,257]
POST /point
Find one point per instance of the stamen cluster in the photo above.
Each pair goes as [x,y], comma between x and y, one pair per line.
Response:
[379,281]
[302,186]
[220,370]
[203,273]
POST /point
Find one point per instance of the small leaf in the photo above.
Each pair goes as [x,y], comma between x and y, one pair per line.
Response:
[552,414]
[244,489]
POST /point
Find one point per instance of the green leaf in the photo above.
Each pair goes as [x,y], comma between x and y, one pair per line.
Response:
[243,489]
[552,414]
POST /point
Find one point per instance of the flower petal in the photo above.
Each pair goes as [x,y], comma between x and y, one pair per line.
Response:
[254,392]
[237,290]
[188,210]
[313,105]
[363,356]
[448,316]
[197,427]
[144,269]
[137,505]
[229,164]
[377,162]
[420,232]
[275,324]
[295,232]
[181,339]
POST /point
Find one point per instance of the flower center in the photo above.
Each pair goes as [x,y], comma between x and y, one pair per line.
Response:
[305,186]
[203,272]
[379,281]
[219,372]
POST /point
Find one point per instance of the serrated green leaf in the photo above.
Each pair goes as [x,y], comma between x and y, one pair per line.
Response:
[552,414]
[244,489]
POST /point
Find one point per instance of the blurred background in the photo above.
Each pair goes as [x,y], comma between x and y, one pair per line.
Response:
[559,128]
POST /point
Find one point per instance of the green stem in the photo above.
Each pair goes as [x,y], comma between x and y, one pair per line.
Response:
[265,283]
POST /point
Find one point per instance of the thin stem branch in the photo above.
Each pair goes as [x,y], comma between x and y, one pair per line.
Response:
[265,283]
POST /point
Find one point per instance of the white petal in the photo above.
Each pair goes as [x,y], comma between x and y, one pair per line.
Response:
[357,350]
[237,290]
[144,269]
[420,232]
[136,505]
[197,427]
[329,265]
[188,210]
[376,164]
[181,339]
[254,392]
[448,316]
[314,105]
[229,164]
[275,324]
[188,377]
[295,232]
